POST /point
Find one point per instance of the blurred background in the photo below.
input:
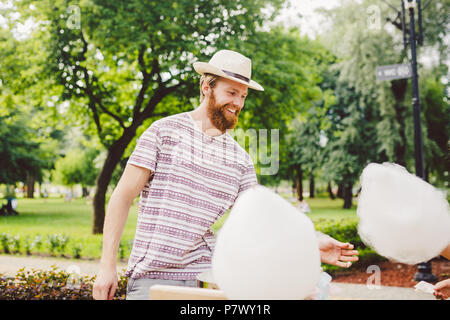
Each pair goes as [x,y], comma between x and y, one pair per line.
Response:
[81,80]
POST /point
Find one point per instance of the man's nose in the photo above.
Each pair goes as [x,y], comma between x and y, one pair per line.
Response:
[238,102]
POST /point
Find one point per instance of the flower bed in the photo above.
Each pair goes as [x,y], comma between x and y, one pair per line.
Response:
[52,284]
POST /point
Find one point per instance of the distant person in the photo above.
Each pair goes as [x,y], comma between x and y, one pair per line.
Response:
[304,206]
[68,196]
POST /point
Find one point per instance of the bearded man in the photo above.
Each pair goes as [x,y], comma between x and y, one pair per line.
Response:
[189,171]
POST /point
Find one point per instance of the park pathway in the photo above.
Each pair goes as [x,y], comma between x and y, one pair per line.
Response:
[9,265]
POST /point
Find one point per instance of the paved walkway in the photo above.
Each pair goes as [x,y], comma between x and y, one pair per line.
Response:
[9,265]
[350,291]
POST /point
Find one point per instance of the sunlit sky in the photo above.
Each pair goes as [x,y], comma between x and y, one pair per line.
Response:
[302,14]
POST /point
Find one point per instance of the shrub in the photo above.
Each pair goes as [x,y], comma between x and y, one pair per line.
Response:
[76,250]
[5,242]
[16,244]
[37,243]
[345,230]
[52,284]
[57,243]
[27,245]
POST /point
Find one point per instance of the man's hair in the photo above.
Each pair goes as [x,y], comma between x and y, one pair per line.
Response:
[209,78]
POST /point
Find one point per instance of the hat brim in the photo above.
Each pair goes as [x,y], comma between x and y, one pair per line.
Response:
[204,67]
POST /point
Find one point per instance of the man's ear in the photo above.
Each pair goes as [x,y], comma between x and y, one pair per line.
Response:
[206,89]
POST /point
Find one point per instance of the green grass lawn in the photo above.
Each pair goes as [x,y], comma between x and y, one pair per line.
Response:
[74,219]
[55,216]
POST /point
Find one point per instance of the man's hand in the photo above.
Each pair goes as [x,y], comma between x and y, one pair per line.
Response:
[105,285]
[335,252]
[442,289]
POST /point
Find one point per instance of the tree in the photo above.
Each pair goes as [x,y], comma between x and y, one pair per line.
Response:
[372,116]
[436,110]
[290,68]
[124,60]
[77,167]
[20,157]
[30,131]
[305,150]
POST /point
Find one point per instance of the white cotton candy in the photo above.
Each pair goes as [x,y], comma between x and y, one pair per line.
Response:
[402,217]
[267,249]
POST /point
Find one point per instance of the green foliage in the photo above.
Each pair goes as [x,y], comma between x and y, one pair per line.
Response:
[5,241]
[53,284]
[290,67]
[19,154]
[77,167]
[56,245]
[436,111]
[371,121]
[76,249]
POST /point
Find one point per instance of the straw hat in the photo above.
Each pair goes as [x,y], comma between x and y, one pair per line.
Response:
[231,65]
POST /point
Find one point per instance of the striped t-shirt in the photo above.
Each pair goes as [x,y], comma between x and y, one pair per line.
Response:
[195,179]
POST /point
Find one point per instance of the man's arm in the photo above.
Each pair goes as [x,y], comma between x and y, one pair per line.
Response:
[130,185]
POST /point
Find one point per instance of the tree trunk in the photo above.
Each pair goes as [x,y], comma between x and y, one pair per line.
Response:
[115,153]
[85,191]
[340,191]
[299,182]
[30,186]
[427,174]
[330,191]
[311,186]
[348,196]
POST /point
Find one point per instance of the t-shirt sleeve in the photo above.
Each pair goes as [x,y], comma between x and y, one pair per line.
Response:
[248,178]
[147,149]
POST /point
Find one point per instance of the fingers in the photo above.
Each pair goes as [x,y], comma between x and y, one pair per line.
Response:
[103,291]
[111,292]
[343,264]
[349,252]
[98,292]
[345,245]
[348,258]
[442,284]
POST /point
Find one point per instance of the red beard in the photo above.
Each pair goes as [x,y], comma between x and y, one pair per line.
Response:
[219,115]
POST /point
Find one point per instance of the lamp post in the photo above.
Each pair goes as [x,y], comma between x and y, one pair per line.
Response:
[424,272]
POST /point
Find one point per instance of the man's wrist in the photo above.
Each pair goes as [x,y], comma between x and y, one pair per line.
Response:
[108,264]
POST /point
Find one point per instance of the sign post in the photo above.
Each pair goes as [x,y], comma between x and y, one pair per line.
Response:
[393,72]
[401,71]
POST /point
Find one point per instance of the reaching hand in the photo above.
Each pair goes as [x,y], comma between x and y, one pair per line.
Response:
[442,289]
[105,285]
[336,253]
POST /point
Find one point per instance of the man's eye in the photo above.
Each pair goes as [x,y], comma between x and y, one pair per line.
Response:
[232,93]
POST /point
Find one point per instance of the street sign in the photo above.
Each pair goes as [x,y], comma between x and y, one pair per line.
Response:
[394,71]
